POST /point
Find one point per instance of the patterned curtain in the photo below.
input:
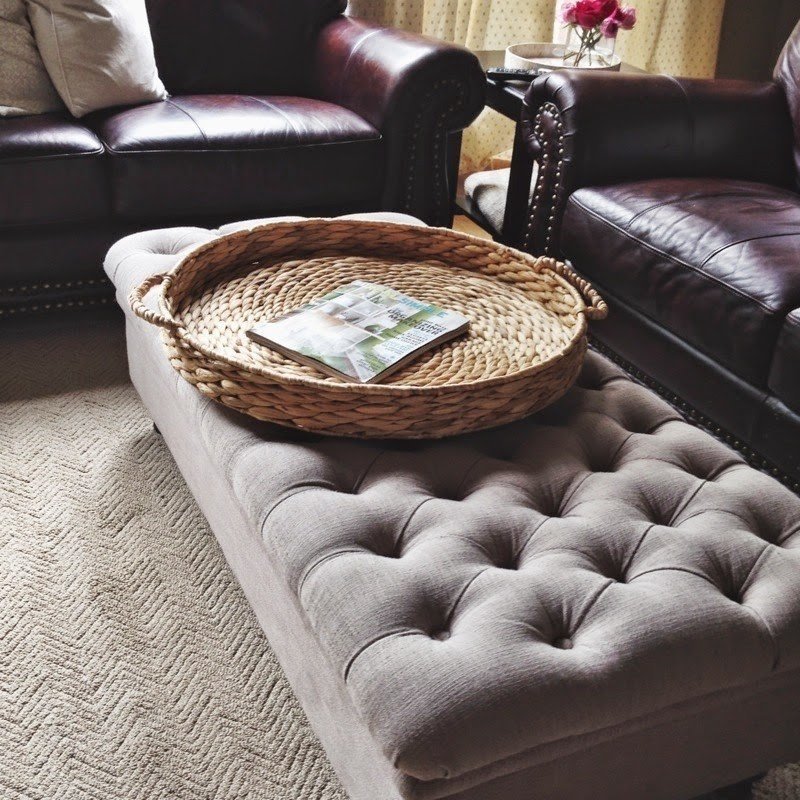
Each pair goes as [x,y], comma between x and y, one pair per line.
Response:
[679,37]
[676,37]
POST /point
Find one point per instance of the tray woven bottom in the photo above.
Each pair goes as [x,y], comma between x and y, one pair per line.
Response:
[507,333]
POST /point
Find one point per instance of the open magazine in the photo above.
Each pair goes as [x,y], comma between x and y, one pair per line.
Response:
[360,332]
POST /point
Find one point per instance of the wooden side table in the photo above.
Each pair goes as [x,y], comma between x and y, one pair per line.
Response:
[507,97]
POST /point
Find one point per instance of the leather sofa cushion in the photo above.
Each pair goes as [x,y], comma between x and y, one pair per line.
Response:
[784,377]
[51,171]
[213,46]
[712,261]
[225,154]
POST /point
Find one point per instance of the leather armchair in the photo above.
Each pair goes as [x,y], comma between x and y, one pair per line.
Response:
[679,200]
[416,92]
[601,128]
[304,111]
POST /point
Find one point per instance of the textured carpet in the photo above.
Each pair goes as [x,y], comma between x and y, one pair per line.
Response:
[130,663]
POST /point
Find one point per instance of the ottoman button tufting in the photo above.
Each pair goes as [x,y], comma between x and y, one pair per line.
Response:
[395,551]
[509,562]
[498,713]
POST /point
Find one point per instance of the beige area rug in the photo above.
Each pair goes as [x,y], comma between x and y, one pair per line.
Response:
[130,663]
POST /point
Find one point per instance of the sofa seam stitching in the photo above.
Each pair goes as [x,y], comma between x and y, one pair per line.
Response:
[122,153]
[278,111]
[704,275]
[746,241]
[676,200]
[52,156]
[172,103]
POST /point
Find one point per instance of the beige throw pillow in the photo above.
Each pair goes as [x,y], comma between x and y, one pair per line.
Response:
[25,87]
[99,53]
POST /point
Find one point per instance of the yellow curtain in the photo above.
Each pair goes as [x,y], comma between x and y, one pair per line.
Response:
[679,37]
[480,25]
[676,37]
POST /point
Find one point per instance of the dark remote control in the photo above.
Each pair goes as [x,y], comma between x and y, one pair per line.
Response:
[502,74]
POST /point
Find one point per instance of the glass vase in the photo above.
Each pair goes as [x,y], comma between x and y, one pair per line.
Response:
[588,49]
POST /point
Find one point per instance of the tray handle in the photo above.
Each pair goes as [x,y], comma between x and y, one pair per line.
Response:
[596,307]
[142,311]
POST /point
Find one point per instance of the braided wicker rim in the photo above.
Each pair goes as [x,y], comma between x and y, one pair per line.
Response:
[173,298]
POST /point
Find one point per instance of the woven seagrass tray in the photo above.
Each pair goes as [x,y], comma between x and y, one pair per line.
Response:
[524,349]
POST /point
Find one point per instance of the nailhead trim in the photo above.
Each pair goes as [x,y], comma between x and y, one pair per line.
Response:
[699,419]
[433,96]
[31,288]
[546,110]
[45,306]
[35,296]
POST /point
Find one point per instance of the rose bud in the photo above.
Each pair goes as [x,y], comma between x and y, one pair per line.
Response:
[609,27]
[625,17]
[567,13]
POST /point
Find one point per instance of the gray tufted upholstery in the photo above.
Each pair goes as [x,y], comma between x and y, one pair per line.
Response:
[600,565]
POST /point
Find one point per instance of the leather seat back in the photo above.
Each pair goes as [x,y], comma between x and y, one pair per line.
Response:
[237,46]
[787,73]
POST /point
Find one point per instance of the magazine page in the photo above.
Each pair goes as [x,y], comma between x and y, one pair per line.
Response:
[360,329]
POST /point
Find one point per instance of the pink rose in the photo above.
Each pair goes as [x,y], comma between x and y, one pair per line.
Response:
[609,27]
[591,13]
[567,13]
[625,17]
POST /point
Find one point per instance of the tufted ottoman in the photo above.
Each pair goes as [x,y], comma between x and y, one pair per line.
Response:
[598,602]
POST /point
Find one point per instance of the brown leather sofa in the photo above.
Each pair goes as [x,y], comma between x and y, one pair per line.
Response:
[679,200]
[276,107]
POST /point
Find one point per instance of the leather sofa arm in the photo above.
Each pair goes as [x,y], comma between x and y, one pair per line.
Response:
[416,91]
[601,128]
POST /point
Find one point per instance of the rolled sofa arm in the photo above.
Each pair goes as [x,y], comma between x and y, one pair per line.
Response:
[599,129]
[416,91]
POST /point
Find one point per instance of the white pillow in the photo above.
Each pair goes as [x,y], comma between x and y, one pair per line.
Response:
[25,87]
[99,53]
